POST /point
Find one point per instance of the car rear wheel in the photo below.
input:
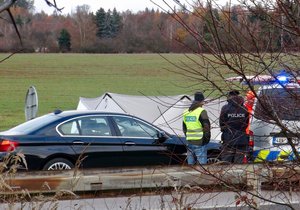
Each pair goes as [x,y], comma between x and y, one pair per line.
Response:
[213,157]
[58,164]
[213,160]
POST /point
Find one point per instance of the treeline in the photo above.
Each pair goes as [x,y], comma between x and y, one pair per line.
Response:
[147,31]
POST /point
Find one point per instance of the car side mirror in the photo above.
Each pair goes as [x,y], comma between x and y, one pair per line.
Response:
[161,136]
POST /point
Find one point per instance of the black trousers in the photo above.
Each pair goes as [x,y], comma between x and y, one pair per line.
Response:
[235,146]
[234,154]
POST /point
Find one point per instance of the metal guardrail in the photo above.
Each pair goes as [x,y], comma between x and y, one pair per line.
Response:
[141,177]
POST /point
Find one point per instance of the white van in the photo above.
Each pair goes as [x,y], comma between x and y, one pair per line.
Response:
[275,122]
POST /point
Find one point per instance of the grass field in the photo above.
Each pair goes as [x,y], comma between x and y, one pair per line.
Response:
[60,79]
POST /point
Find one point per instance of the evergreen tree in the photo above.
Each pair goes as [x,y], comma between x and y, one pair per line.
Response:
[64,41]
[101,24]
[19,20]
[108,23]
[234,14]
[116,23]
[25,4]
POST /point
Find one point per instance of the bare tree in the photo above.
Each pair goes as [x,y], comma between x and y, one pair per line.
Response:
[83,21]
[6,5]
[253,38]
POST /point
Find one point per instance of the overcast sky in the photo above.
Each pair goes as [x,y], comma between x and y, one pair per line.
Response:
[120,5]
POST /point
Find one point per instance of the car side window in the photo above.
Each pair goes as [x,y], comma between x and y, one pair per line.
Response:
[87,126]
[69,128]
[131,127]
[94,126]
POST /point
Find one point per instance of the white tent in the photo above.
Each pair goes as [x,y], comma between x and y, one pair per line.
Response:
[163,111]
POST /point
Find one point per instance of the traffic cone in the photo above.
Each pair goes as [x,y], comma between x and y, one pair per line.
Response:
[245,160]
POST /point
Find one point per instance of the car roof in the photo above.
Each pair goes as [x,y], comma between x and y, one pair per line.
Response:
[69,113]
[57,116]
[78,113]
[276,85]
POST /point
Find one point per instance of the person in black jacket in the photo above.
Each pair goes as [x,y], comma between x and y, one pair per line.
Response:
[233,121]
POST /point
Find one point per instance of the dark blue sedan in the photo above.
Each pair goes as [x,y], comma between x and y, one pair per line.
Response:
[91,139]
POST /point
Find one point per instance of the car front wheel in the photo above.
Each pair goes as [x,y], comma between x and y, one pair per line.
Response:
[58,164]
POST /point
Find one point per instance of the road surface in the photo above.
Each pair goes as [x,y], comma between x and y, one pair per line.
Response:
[176,200]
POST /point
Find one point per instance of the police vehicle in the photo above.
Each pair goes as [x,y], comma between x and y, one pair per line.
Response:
[275,121]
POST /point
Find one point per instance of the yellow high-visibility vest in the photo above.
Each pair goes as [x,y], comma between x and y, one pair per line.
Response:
[193,126]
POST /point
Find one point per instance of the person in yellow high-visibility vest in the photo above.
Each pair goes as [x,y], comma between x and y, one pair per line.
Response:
[196,127]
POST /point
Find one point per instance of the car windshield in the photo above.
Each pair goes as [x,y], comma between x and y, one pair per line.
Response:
[34,124]
[283,103]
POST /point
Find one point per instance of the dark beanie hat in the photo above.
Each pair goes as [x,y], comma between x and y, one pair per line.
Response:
[233,93]
[199,96]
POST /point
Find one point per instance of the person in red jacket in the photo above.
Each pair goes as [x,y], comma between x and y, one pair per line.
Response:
[249,102]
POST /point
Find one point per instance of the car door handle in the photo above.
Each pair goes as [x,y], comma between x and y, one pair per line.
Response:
[129,143]
[78,142]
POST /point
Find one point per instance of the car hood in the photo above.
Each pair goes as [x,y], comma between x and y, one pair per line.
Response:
[176,140]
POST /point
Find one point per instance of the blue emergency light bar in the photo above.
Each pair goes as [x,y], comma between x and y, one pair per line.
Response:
[282,77]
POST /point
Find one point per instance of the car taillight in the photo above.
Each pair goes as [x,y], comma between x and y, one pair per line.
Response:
[251,140]
[8,145]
